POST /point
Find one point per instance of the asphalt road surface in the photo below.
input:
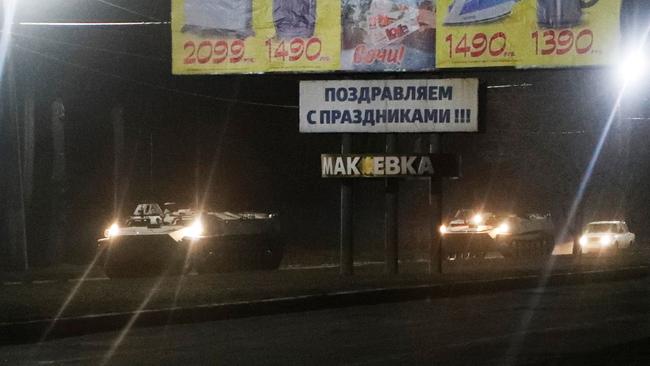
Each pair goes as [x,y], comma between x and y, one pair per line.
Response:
[599,324]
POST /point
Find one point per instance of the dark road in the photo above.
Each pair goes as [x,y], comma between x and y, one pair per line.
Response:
[560,325]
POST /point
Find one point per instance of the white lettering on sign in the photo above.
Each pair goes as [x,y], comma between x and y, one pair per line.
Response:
[358,166]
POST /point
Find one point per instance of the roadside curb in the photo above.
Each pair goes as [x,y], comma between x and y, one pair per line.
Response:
[32,331]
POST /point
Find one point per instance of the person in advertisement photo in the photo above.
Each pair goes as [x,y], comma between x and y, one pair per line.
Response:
[388,35]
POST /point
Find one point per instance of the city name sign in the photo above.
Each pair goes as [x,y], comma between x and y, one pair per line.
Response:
[389,165]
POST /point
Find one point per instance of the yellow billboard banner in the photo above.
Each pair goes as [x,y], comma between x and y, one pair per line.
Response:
[474,33]
[570,33]
[249,36]
[526,33]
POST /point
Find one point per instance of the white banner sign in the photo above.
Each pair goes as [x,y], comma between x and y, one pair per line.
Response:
[386,106]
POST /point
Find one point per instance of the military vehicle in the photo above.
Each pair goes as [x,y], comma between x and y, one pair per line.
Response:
[474,233]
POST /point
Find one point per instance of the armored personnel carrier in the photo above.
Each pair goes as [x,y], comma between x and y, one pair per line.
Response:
[473,233]
[156,242]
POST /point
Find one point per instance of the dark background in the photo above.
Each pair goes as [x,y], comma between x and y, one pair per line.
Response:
[233,141]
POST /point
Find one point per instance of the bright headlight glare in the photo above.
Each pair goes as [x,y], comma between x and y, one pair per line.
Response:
[606,240]
[113,230]
[583,240]
[195,230]
[504,228]
[477,219]
[443,229]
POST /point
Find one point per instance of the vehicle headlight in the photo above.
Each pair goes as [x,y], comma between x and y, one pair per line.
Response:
[443,229]
[477,219]
[195,230]
[112,231]
[606,240]
[582,240]
[504,228]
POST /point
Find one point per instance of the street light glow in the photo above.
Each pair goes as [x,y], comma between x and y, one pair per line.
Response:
[633,68]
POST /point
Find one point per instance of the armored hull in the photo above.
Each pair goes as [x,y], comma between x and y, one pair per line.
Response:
[179,241]
[511,235]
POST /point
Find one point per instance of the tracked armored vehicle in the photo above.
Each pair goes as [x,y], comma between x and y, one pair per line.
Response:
[152,242]
[473,234]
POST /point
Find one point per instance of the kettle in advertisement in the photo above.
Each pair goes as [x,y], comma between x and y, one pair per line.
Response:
[561,13]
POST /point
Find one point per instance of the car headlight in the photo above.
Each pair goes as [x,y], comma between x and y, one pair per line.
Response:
[504,228]
[195,230]
[443,229]
[477,219]
[606,240]
[112,231]
[582,240]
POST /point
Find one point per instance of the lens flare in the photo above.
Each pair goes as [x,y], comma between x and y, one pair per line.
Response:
[504,228]
[112,231]
[443,229]
[195,230]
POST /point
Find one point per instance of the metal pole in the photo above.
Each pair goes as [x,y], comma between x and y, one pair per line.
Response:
[151,183]
[29,141]
[18,236]
[435,206]
[390,215]
[117,119]
[346,239]
[59,211]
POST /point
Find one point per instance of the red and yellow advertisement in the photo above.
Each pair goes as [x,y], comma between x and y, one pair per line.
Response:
[473,33]
[569,33]
[249,36]
[256,36]
[526,33]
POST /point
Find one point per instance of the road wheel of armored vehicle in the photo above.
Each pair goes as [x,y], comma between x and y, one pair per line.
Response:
[548,245]
[515,249]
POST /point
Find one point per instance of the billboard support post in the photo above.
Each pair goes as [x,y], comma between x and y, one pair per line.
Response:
[435,208]
[390,215]
[346,238]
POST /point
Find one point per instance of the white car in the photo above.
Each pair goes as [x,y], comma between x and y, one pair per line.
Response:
[606,235]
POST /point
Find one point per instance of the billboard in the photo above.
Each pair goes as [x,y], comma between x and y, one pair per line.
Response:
[255,36]
[387,106]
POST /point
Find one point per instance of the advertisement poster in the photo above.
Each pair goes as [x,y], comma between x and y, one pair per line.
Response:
[386,106]
[570,33]
[478,33]
[385,35]
[526,33]
[257,36]
[244,36]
